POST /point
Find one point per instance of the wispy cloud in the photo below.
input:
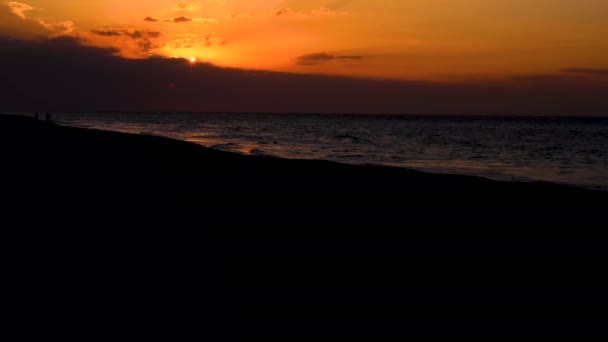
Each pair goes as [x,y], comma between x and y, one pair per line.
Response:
[127,33]
[196,40]
[19,8]
[186,6]
[316,13]
[145,41]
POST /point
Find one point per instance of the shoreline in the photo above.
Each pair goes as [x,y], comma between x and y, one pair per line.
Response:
[149,162]
[449,116]
[422,147]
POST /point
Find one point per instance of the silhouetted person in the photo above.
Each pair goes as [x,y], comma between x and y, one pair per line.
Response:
[48,117]
[36,116]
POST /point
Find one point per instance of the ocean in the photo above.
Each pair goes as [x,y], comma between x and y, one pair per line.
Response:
[570,151]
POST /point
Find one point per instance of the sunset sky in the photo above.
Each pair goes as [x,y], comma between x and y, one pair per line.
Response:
[404,39]
[408,56]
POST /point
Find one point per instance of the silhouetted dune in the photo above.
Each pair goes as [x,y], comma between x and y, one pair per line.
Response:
[155,239]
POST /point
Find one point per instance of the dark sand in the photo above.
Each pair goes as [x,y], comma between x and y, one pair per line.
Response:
[169,239]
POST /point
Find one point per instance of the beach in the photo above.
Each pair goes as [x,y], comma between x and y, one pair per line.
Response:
[63,167]
[92,161]
[159,236]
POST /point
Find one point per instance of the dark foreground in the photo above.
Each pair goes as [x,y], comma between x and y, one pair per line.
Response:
[146,238]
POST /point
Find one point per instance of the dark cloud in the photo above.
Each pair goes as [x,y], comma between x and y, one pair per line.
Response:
[135,35]
[108,33]
[142,38]
[153,34]
[318,58]
[182,19]
[146,45]
[62,75]
[603,72]
[151,19]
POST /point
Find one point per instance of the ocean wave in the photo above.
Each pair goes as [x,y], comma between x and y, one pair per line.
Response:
[351,156]
[263,142]
[353,139]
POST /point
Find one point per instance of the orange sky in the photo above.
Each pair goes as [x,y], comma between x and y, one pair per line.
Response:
[401,39]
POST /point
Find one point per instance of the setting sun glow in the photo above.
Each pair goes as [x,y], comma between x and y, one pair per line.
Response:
[438,40]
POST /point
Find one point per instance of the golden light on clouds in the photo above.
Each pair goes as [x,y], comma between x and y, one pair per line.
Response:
[19,8]
[405,39]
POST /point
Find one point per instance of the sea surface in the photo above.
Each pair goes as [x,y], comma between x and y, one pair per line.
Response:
[564,150]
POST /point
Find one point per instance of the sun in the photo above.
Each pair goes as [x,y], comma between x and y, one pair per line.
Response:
[192,60]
